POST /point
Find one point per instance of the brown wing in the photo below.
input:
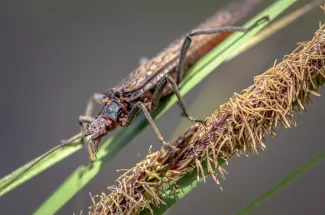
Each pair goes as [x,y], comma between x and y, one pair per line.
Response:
[145,72]
[166,60]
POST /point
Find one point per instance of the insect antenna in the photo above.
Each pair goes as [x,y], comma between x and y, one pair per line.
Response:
[64,143]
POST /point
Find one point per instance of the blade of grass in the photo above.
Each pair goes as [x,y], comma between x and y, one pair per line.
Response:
[186,184]
[206,65]
[279,24]
[273,190]
[47,162]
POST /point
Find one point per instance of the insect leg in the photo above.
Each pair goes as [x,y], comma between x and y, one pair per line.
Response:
[135,110]
[188,40]
[84,120]
[91,161]
[87,117]
[157,94]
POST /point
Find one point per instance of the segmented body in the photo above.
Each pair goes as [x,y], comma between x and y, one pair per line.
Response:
[142,89]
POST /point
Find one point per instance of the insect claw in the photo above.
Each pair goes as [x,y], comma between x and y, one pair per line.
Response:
[259,22]
[202,122]
[84,169]
[170,147]
[193,120]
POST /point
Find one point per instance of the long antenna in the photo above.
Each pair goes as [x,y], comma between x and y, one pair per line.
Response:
[81,135]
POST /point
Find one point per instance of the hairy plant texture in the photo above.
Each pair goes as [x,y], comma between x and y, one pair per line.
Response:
[236,127]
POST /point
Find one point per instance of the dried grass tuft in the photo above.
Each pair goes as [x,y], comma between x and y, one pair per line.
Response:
[236,127]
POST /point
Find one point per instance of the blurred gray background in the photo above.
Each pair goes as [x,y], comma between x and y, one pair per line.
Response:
[55,54]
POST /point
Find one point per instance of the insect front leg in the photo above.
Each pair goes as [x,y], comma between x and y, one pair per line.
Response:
[139,106]
[158,92]
[91,162]
[188,39]
[92,147]
[84,120]
[87,118]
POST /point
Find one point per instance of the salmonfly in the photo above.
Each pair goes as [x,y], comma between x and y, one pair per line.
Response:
[156,78]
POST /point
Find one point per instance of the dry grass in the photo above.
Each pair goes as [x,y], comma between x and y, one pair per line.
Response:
[236,127]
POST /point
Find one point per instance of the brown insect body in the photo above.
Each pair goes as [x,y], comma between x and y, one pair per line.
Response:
[140,85]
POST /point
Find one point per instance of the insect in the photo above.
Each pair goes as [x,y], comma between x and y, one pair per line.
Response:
[156,78]
[143,88]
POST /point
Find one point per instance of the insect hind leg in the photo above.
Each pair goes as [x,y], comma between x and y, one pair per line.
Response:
[188,39]
[87,167]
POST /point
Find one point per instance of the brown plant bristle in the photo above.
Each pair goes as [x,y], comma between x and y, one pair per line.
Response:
[236,127]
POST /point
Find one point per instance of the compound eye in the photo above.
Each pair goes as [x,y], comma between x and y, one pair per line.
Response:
[108,126]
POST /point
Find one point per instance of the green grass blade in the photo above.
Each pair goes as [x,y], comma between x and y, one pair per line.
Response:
[206,65]
[272,191]
[46,163]
[186,184]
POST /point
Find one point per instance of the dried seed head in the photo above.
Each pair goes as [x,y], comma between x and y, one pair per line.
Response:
[236,127]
